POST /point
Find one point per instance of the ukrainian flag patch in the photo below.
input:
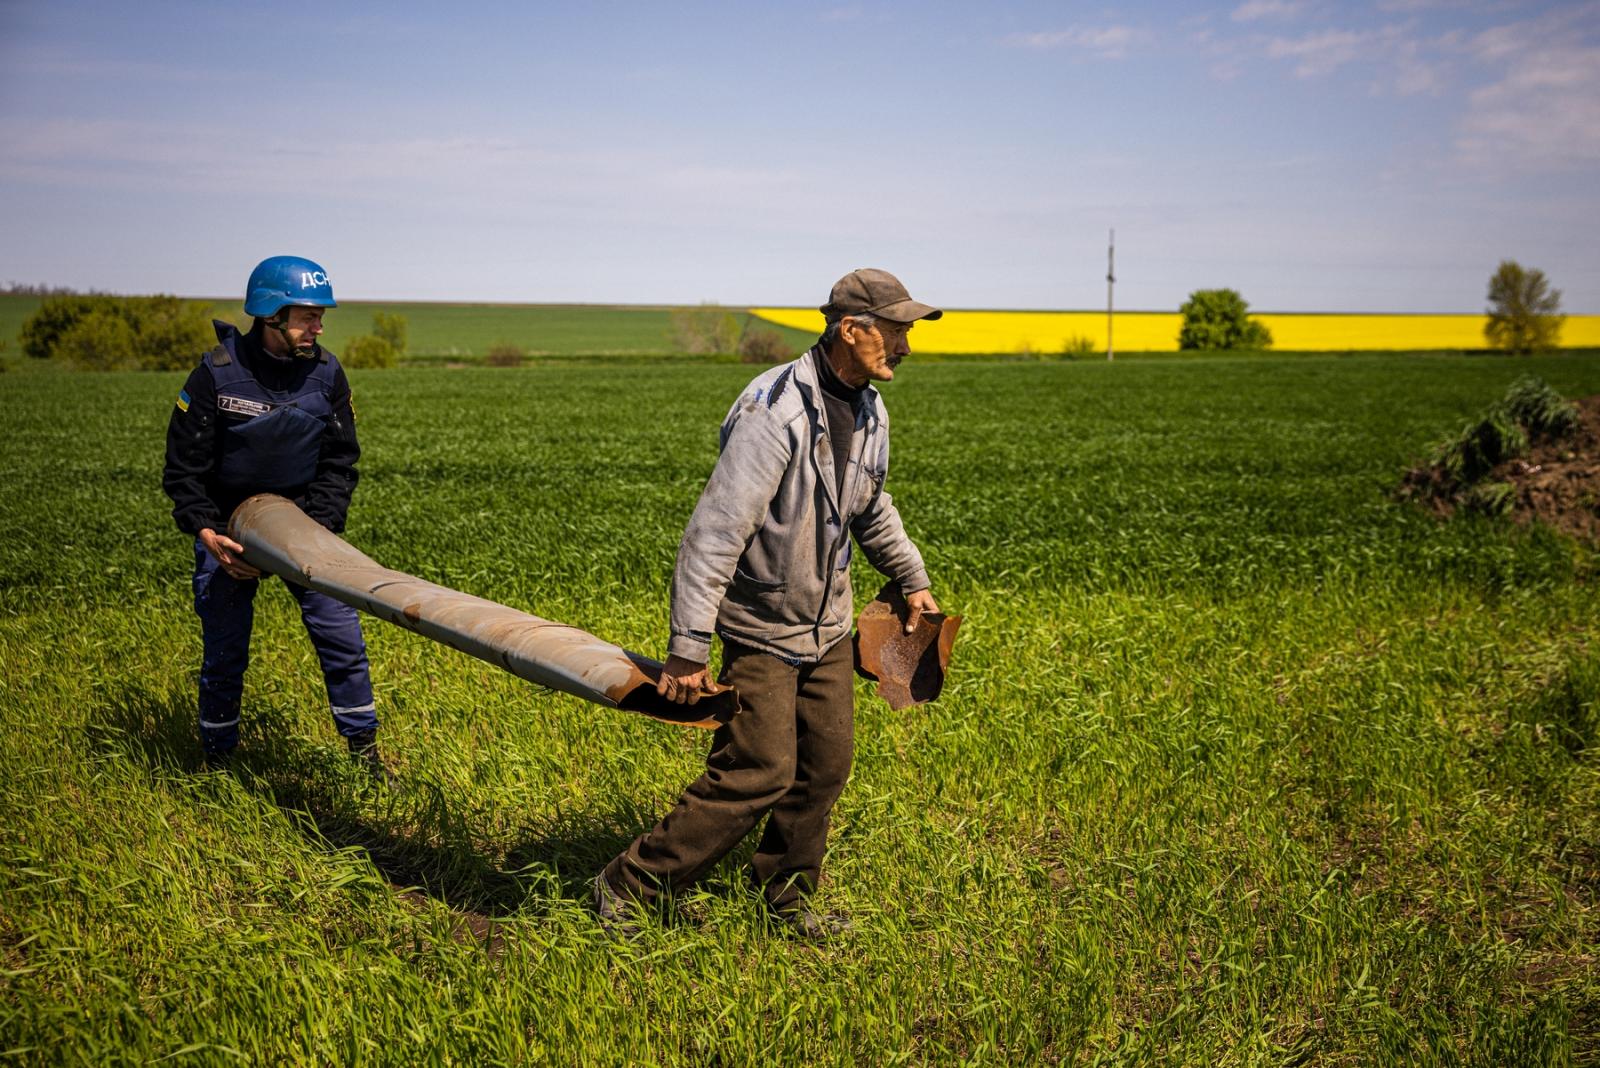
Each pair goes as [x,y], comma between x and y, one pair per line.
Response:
[183,400]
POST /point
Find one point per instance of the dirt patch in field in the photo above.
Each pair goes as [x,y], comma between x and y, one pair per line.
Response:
[466,925]
[1556,483]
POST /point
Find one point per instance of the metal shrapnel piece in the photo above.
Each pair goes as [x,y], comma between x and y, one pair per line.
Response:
[908,668]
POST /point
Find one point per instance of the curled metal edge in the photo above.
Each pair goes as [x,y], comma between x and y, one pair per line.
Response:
[281,539]
[908,668]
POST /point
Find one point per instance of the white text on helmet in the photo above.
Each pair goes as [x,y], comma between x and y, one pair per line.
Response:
[312,279]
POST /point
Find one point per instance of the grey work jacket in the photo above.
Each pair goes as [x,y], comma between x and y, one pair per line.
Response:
[765,560]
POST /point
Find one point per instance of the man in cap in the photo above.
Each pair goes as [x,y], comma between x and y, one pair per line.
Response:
[765,564]
[268,411]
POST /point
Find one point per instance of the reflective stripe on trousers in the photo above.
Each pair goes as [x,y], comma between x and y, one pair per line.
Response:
[226,607]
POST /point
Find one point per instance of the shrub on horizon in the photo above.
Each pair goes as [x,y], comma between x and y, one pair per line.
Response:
[391,327]
[705,330]
[368,351]
[100,332]
[505,354]
[1219,319]
[761,344]
[1079,345]
[54,317]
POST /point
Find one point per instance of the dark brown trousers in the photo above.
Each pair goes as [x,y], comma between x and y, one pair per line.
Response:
[786,757]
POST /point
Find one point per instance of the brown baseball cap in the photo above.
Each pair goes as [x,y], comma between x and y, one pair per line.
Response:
[869,289]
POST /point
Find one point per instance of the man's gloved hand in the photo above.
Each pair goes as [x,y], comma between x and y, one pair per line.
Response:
[683,681]
[918,603]
[229,553]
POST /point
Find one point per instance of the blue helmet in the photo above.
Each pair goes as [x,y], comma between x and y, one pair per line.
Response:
[281,280]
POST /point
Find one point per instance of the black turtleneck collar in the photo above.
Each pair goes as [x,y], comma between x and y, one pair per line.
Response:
[832,384]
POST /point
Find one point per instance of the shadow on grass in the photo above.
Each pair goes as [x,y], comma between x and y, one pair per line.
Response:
[421,839]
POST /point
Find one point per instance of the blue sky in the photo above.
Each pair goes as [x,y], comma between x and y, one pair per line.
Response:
[1378,156]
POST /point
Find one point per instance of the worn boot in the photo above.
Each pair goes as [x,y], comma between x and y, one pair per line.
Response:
[364,751]
[808,925]
[619,916]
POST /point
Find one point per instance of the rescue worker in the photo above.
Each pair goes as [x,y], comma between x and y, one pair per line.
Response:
[268,411]
[765,564]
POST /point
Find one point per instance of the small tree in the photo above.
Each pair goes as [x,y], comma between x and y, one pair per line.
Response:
[1524,312]
[391,328]
[1219,319]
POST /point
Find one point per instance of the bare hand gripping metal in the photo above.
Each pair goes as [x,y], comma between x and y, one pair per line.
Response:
[281,539]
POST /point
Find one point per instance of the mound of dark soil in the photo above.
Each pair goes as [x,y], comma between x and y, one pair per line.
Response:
[1557,482]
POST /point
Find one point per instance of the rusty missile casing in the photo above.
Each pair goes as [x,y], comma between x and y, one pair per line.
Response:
[281,539]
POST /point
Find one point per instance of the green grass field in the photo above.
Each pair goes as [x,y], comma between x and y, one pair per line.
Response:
[1240,762]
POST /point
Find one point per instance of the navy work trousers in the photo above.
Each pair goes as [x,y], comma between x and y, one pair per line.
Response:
[226,607]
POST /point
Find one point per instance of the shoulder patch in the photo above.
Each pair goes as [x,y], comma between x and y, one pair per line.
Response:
[183,400]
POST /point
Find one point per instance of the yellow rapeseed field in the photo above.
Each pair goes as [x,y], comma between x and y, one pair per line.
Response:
[1054,332]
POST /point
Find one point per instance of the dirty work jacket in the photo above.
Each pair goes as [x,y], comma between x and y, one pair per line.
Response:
[765,560]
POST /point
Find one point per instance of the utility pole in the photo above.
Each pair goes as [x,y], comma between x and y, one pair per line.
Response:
[1111,280]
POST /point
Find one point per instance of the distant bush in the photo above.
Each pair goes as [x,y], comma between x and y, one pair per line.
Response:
[100,341]
[505,354]
[54,317]
[391,328]
[1219,319]
[710,328]
[369,351]
[763,345]
[1524,312]
[99,332]
[1079,345]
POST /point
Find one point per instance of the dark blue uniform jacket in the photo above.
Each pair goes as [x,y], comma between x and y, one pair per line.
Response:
[250,422]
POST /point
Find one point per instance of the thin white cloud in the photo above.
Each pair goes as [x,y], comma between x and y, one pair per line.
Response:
[1108,42]
[1413,73]
[1411,7]
[1541,108]
[1254,10]
[1536,100]
[1324,51]
[1544,112]
[1404,64]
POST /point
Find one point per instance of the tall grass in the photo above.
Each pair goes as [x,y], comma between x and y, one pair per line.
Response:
[1240,763]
